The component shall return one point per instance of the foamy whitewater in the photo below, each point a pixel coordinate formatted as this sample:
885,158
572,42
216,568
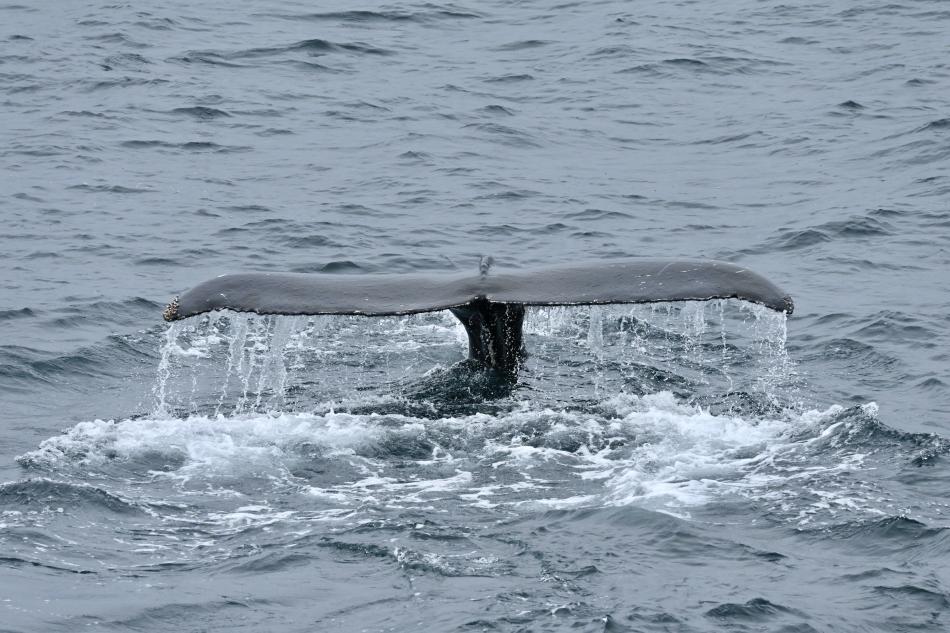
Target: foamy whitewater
277,446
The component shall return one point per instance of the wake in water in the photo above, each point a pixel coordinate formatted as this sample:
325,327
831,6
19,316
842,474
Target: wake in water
278,444
664,407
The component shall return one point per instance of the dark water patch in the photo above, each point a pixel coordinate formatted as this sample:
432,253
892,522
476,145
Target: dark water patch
189,146
432,13
275,132
183,616
504,134
919,152
794,39
246,208
155,23
621,50
598,215
356,16
855,227
313,47
157,261
202,113
791,239
923,598
883,536
122,82
46,494
689,204
125,60
917,81
270,562
932,383
312,66
412,156
320,46
22,313
354,552
647,70
92,362
509,78
728,138
755,610
87,113
521,45
13,561
887,213
20,38
497,110
892,327
209,58
310,241
117,38
43,255
850,105
108,189
27,197
877,9
340,266
685,62
939,124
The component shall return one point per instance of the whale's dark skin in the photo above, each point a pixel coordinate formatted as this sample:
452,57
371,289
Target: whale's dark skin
490,306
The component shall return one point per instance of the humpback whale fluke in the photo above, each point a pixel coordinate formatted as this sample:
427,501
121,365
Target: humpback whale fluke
490,305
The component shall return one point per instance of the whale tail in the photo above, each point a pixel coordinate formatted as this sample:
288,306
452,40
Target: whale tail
490,306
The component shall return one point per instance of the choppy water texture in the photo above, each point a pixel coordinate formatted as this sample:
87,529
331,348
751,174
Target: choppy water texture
697,467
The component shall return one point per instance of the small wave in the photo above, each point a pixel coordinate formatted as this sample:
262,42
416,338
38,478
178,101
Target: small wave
189,146
939,124
790,240
497,110
22,313
851,105
433,13
728,138
686,62
521,45
755,610
598,215
857,227
202,113
108,189
313,47
50,495
504,134
509,78
122,82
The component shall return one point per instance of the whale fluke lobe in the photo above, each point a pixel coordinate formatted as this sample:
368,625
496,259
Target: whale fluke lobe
489,304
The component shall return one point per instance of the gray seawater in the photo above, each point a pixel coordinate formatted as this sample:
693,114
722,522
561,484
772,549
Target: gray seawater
681,468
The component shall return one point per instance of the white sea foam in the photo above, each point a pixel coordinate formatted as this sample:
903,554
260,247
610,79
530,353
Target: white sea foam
651,451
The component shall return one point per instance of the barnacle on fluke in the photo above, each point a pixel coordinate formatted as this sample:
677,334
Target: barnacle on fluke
171,310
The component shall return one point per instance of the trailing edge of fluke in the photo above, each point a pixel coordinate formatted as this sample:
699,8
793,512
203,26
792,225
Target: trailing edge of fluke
490,305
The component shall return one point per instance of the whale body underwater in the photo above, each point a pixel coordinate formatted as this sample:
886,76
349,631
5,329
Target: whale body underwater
490,306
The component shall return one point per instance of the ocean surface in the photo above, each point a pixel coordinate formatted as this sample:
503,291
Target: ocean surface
673,467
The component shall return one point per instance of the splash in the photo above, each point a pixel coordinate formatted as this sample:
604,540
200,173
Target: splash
229,363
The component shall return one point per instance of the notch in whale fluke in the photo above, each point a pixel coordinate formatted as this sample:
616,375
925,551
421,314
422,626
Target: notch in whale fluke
489,304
